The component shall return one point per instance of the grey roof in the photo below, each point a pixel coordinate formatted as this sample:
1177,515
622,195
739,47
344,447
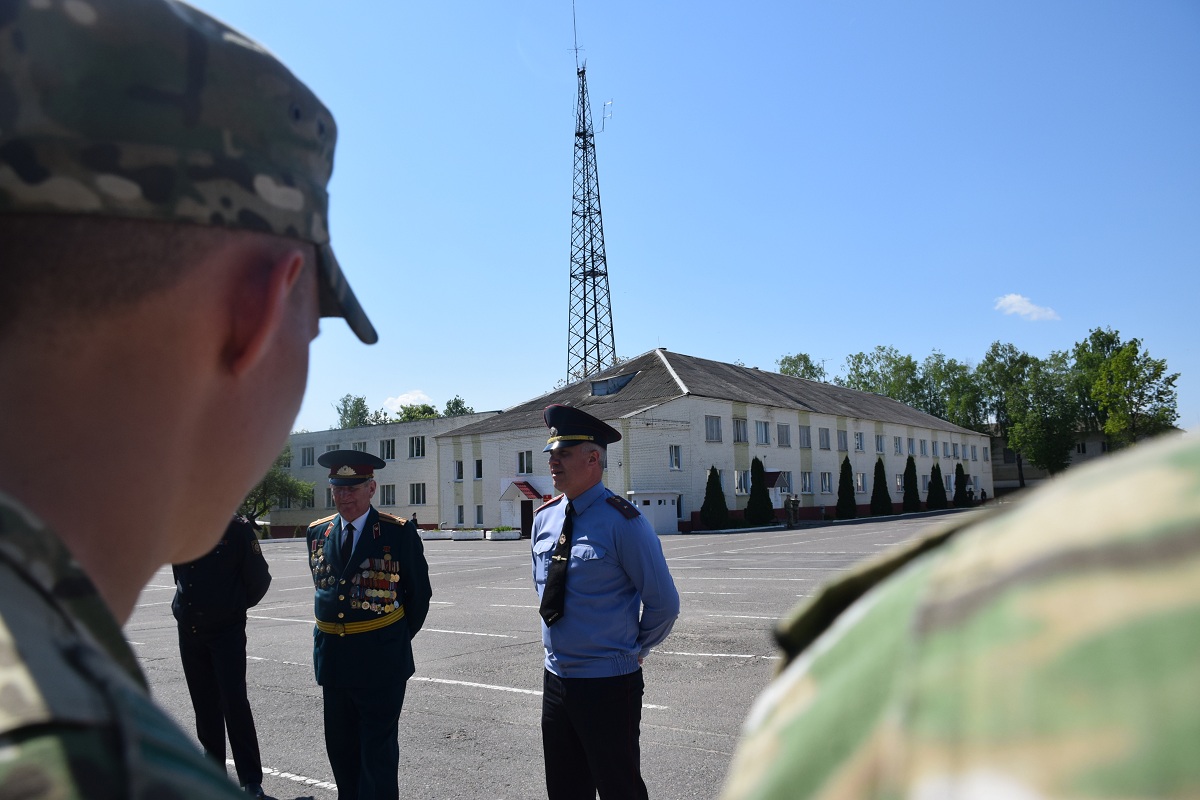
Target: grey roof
660,376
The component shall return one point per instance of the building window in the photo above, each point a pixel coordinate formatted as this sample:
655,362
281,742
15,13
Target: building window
935,448
1081,447
740,433
742,482
842,438
284,502
897,446
949,488
805,483
329,447
826,483
416,494
458,520
387,494
945,449
329,497
478,515
805,432
712,429
859,444
387,449
974,453
956,449
879,443
525,462
359,446
311,500
479,469
911,450
287,460
860,482
985,454
900,483
458,470
762,431
307,456
925,484
416,447
783,435
675,457
924,448
823,438
785,482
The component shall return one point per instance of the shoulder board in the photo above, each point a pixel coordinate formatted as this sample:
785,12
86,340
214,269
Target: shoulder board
628,510
322,520
383,515
549,503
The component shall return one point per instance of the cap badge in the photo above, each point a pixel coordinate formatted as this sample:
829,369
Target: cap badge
346,471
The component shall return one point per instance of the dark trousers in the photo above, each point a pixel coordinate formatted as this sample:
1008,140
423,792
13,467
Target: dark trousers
361,729
214,665
590,732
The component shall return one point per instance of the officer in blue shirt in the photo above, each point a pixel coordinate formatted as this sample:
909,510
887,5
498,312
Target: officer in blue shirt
372,596
607,597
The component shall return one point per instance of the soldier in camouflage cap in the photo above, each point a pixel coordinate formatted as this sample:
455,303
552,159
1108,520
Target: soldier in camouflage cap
165,257
1048,650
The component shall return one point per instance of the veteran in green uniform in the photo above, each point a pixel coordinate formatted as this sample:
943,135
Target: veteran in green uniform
165,260
1051,649
372,596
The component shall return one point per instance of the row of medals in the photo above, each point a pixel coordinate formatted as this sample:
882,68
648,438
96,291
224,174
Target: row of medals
372,589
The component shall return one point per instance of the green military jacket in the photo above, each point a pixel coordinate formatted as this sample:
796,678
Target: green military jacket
1051,649
76,719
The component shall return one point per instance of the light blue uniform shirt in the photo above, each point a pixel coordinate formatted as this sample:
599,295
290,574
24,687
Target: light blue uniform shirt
620,600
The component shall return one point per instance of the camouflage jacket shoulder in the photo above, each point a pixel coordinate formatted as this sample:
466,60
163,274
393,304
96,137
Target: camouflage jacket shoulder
1048,649
75,716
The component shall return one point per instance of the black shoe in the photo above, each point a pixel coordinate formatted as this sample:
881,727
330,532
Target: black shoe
254,790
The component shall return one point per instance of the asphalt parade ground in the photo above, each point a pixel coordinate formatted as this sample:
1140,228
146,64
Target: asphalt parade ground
471,721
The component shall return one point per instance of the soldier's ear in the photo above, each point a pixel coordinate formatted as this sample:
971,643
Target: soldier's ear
260,309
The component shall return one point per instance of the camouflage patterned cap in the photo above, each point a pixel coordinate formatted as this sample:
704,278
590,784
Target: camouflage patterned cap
150,109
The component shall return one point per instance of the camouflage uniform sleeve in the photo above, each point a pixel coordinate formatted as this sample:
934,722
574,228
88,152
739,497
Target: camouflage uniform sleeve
1048,651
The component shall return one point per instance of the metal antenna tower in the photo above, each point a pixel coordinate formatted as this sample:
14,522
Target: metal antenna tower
590,346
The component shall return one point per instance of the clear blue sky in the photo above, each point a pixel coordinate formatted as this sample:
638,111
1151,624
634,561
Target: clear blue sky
776,177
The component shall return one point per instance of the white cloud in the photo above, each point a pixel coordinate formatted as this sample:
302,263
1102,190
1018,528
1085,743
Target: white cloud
412,398
1020,304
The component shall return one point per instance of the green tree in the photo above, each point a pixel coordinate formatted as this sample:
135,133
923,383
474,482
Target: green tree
714,512
1090,355
936,499
801,365
881,498
847,506
1045,426
1135,394
1002,374
912,495
759,510
275,487
352,412
960,486
950,390
457,408
884,371
416,411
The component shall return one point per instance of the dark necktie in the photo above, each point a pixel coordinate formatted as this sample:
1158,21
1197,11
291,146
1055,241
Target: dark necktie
347,543
555,591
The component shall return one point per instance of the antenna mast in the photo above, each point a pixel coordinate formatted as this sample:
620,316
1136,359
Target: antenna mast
590,346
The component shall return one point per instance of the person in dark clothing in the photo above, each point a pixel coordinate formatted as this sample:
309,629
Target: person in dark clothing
212,594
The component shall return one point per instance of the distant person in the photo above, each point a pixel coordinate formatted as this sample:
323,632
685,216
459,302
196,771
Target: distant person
212,595
372,596
1050,649
606,598
982,496
165,260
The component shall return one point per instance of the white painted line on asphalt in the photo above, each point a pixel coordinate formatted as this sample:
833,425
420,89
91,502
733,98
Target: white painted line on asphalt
470,633
501,605
292,777
526,588
826,568
458,571
709,655
712,592
440,603
147,605
740,616
308,621
727,578
534,692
